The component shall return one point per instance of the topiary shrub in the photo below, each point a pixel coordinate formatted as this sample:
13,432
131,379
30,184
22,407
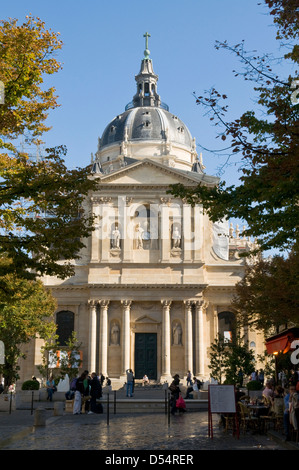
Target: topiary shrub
254,385
30,385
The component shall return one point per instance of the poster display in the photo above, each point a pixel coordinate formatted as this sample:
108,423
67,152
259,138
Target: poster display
222,400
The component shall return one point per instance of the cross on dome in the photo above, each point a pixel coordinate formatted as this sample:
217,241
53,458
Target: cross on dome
146,52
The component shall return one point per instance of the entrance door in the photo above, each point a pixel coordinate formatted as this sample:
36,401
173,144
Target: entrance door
146,355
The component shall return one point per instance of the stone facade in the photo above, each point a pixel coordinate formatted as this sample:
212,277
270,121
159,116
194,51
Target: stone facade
156,273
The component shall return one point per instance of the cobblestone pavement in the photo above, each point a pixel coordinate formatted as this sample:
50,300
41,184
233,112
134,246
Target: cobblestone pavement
150,431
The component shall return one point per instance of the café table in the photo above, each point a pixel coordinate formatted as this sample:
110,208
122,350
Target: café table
261,412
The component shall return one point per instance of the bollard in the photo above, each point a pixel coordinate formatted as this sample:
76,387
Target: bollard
10,403
165,401
58,408
108,409
168,410
40,417
32,402
114,401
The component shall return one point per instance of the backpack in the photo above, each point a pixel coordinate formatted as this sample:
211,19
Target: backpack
73,384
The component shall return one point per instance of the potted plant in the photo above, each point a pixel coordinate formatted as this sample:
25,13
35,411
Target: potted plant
254,388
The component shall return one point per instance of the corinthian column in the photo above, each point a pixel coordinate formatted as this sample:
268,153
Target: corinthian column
166,339
126,346
104,336
199,335
92,334
188,336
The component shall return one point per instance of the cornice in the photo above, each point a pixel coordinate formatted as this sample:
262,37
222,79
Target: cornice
129,286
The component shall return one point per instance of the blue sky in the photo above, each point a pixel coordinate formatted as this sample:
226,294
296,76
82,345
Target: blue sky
103,48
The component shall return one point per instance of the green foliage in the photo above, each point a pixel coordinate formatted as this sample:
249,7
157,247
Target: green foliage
26,311
228,358
30,385
67,358
267,195
268,294
42,219
254,385
70,364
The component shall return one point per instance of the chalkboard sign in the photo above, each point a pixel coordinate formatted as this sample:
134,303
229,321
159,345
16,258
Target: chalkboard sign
222,399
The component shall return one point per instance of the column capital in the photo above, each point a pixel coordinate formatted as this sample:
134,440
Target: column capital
104,303
166,303
188,303
92,303
126,303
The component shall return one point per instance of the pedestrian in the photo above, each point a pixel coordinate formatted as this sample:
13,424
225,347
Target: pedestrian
108,382
240,377
195,387
261,376
79,393
294,407
145,380
95,394
133,388
268,390
175,392
130,379
293,378
253,375
51,387
189,381
286,414
102,379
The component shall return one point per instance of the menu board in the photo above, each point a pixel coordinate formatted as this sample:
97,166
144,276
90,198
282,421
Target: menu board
222,399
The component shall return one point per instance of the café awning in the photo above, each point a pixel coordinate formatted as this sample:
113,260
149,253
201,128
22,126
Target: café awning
282,341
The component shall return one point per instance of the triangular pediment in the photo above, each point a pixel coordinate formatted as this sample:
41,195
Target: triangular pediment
149,172
145,319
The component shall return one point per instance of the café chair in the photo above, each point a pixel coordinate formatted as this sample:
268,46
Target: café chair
247,420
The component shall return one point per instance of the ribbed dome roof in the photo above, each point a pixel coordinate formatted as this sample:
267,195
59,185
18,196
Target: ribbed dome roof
146,123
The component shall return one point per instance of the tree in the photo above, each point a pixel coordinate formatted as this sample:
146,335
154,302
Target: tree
42,220
217,359
267,196
268,294
227,359
68,361
26,311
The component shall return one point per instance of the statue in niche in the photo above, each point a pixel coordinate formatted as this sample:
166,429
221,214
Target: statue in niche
114,334
139,236
115,238
176,238
177,334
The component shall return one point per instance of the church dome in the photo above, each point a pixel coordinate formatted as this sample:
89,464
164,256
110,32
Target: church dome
146,129
146,123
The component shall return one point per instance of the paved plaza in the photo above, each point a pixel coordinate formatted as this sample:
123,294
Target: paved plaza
134,432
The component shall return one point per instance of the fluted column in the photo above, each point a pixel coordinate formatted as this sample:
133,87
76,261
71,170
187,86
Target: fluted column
188,336
126,344
166,339
104,336
92,335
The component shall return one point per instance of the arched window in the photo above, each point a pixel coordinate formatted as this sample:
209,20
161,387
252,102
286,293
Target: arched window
226,325
65,321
